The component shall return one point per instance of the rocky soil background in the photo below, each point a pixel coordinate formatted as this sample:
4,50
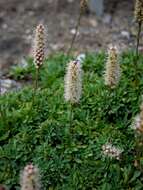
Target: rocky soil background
19,18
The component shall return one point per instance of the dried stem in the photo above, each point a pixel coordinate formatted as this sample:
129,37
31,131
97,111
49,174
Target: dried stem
137,52
138,38
74,36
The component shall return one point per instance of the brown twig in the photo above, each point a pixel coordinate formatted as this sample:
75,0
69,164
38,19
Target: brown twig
138,38
76,32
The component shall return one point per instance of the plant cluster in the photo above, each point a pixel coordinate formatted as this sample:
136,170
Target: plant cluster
75,131
71,157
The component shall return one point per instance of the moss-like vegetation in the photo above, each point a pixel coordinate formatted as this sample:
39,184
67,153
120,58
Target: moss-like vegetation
71,158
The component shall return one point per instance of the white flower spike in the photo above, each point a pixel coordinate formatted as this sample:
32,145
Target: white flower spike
30,179
73,82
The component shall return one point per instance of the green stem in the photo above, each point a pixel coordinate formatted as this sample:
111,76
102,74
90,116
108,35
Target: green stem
138,150
71,115
36,80
108,161
35,87
2,112
2,116
74,36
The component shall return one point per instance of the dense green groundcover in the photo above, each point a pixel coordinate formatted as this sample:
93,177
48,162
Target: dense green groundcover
72,158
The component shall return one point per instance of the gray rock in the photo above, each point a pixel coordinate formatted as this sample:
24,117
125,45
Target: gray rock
107,19
96,6
7,85
125,34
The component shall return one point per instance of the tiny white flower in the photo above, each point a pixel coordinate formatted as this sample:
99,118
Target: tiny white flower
111,151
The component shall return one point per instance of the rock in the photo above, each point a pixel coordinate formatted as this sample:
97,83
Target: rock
96,6
107,19
4,26
8,84
70,1
125,34
73,31
93,22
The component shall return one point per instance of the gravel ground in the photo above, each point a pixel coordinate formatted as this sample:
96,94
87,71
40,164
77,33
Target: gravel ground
18,19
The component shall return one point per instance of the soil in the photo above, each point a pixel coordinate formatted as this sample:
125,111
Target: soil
18,19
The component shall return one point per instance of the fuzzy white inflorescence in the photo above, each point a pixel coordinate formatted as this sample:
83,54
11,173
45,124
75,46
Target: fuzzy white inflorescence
73,82
138,13
138,121
111,151
39,46
112,68
30,179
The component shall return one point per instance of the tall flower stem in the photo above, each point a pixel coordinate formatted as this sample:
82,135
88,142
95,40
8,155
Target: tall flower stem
35,88
71,115
137,52
83,8
138,15
39,56
75,34
35,85
36,80
73,87
138,38
2,112
138,151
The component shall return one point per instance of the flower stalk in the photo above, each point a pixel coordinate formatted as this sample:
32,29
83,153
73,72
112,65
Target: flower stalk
39,56
137,126
138,14
39,50
138,38
83,7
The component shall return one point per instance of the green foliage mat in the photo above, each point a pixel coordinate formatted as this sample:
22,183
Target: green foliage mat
72,158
